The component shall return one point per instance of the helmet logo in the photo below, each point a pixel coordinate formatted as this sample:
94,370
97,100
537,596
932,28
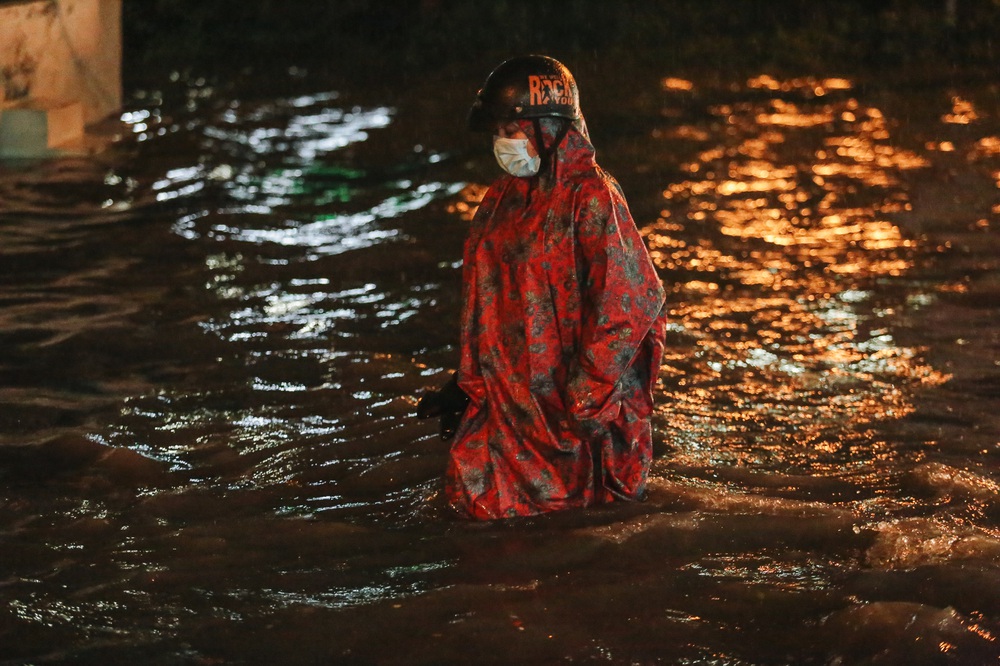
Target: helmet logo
547,89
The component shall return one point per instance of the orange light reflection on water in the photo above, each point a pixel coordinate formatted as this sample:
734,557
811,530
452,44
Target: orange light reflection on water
467,204
779,356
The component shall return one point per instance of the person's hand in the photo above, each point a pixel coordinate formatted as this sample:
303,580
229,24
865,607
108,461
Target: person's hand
429,405
448,404
449,424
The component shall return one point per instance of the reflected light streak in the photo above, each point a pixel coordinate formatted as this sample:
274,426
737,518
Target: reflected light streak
818,87
308,135
335,234
962,112
674,83
987,147
758,570
788,115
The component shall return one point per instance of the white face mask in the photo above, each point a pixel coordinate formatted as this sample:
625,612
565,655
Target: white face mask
513,157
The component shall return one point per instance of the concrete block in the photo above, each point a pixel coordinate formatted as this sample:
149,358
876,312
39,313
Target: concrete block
35,128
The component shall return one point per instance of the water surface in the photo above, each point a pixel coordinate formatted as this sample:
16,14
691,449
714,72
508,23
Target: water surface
213,335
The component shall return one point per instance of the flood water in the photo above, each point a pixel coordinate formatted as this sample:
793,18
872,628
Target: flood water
213,336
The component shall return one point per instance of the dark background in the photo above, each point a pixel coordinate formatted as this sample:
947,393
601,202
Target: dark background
400,39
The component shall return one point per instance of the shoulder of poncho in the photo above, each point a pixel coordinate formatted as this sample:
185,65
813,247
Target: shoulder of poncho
496,187
595,187
492,196
595,176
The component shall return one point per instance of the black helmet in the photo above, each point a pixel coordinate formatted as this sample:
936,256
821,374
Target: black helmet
531,86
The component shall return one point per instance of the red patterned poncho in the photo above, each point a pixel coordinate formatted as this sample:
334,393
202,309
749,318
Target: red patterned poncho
562,335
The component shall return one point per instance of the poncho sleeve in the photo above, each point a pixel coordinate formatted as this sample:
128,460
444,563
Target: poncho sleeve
622,300
470,377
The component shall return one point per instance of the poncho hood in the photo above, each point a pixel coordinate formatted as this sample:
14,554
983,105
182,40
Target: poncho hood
574,153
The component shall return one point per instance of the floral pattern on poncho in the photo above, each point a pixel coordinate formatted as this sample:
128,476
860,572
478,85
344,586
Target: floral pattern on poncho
561,340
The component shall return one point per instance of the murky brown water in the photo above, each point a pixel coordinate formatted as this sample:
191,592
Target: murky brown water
212,335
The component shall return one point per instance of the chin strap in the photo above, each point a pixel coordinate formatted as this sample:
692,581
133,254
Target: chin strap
547,152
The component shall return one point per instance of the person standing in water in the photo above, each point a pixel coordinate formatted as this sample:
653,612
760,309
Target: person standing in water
563,321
